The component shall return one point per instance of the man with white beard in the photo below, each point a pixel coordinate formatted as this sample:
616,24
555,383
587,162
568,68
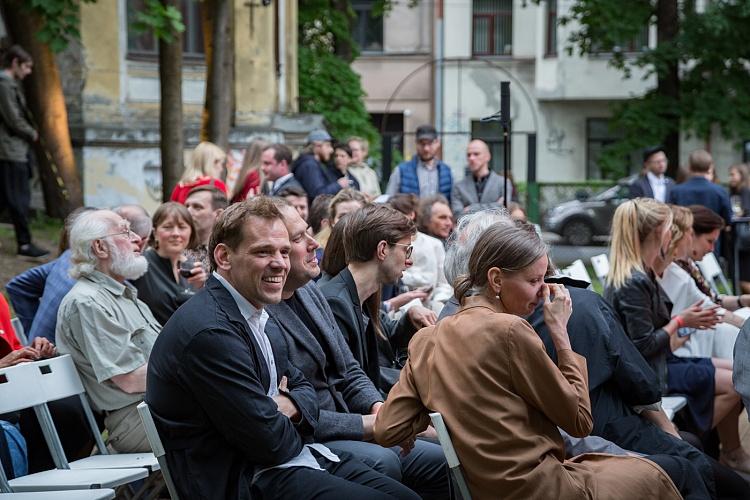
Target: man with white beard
101,323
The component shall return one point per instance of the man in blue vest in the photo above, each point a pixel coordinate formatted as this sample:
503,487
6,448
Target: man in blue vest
424,174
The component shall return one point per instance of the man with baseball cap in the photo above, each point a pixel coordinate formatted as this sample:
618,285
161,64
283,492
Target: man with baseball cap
313,169
424,174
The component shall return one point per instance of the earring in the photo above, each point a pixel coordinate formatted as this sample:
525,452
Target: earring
497,295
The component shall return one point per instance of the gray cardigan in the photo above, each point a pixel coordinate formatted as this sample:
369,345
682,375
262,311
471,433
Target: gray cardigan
347,393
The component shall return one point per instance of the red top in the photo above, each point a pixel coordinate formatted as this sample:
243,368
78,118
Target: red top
8,340
251,186
181,190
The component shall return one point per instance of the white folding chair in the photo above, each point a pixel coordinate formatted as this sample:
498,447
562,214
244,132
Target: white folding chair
450,455
711,270
156,446
672,404
59,379
600,263
577,271
20,389
20,332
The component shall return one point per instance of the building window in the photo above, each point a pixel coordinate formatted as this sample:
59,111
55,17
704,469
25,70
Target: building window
551,28
599,135
638,43
492,27
144,46
368,26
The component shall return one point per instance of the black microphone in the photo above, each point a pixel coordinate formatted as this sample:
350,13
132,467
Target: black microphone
505,103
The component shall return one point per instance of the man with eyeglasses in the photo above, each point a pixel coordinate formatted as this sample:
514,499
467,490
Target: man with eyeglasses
303,326
101,323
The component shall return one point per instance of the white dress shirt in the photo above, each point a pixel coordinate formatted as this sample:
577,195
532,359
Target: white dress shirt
256,320
658,186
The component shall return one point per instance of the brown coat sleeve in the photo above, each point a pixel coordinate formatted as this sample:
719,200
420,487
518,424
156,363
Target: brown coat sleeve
403,415
560,392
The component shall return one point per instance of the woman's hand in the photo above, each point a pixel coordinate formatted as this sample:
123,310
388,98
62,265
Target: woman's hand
557,311
199,277
696,316
421,317
676,341
22,355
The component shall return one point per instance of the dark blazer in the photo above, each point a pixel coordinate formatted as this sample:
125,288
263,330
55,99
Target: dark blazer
700,191
619,378
206,386
643,309
317,178
641,188
464,195
268,190
371,351
345,393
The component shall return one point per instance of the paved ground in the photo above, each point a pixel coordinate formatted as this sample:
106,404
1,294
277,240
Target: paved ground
11,265
563,255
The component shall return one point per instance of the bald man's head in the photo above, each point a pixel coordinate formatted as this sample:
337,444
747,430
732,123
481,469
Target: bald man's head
478,156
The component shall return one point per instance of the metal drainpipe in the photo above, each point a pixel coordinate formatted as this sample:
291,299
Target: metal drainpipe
439,42
281,34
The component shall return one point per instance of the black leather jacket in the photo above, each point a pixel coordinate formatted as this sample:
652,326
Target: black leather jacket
643,309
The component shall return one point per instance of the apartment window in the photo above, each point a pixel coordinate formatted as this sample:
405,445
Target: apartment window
368,26
492,27
638,43
551,28
144,46
599,135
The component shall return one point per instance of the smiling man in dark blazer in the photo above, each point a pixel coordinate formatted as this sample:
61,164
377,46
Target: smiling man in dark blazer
303,326
236,418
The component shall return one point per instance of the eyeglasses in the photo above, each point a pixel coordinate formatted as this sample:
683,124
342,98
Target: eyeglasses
123,232
409,248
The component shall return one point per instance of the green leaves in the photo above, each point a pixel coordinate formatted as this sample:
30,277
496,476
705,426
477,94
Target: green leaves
327,83
164,21
711,51
60,19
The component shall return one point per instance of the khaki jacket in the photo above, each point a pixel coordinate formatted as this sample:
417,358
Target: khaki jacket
16,132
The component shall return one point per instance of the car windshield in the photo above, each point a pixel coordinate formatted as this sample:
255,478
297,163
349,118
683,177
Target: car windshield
610,193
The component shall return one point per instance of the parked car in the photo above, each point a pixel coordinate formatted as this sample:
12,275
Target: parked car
582,220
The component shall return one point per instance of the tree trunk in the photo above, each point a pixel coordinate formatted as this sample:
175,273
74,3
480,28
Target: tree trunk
343,45
668,80
218,42
61,184
170,112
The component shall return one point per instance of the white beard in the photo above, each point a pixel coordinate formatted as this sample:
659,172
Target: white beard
127,264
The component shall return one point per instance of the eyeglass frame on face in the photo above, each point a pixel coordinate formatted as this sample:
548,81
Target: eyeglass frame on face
126,231
409,248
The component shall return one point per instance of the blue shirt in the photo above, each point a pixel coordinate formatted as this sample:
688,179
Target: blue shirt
36,295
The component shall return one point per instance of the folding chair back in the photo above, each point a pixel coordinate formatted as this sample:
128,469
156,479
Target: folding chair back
711,270
600,263
19,388
450,455
577,270
59,379
20,332
156,446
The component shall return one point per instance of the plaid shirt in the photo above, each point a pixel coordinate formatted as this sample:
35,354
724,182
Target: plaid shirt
37,293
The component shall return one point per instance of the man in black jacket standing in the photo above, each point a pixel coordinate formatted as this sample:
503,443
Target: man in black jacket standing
16,132
236,419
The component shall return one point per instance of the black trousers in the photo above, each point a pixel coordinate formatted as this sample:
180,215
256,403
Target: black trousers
348,479
15,195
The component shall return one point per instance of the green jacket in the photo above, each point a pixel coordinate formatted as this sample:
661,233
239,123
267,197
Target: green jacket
15,130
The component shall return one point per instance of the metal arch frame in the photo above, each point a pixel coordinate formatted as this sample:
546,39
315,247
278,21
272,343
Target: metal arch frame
487,62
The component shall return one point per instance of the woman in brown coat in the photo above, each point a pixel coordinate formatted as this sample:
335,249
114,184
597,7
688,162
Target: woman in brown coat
501,396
